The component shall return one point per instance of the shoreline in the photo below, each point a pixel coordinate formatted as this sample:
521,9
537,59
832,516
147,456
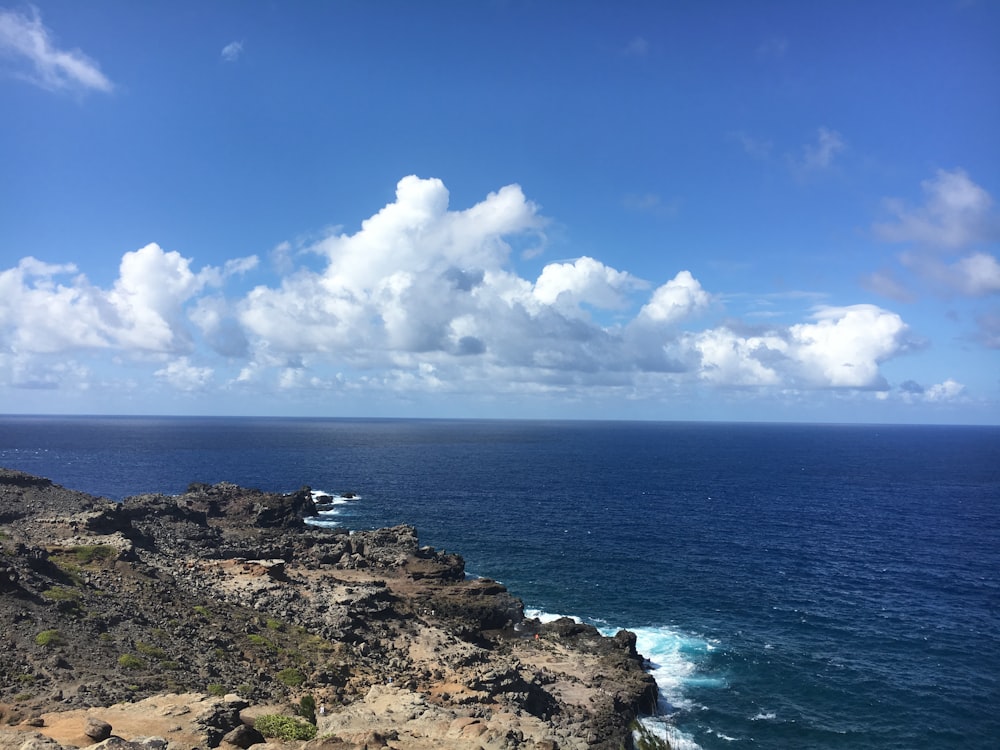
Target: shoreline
225,589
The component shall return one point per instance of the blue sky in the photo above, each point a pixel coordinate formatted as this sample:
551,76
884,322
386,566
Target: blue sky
650,210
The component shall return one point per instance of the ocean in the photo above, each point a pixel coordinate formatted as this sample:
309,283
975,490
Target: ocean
794,586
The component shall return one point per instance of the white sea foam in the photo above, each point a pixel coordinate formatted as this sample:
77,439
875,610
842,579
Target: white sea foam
329,505
764,716
669,657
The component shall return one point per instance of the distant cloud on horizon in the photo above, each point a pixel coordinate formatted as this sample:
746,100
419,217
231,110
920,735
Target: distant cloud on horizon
26,39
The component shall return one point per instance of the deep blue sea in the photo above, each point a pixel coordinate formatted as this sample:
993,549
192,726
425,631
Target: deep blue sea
795,586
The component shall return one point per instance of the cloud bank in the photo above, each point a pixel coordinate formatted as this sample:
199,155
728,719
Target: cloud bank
423,298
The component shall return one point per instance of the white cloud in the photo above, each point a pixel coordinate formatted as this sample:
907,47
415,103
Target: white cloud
26,39
676,300
845,345
426,298
978,274
956,213
949,390
232,51
184,376
566,285
841,349
819,156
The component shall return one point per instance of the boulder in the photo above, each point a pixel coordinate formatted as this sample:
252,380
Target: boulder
97,729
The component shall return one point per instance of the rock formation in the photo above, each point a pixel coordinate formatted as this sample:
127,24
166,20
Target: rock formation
177,619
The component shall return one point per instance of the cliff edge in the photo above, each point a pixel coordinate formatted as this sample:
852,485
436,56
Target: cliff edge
186,617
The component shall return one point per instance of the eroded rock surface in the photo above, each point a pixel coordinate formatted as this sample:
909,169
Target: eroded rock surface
137,613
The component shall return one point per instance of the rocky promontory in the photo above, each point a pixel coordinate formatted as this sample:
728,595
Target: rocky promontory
173,622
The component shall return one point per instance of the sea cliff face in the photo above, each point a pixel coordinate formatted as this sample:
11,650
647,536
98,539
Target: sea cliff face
184,616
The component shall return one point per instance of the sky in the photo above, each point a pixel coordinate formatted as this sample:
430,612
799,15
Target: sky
767,211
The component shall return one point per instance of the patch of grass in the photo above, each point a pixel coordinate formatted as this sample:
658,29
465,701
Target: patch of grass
105,637
61,594
262,642
202,610
89,553
130,661
154,652
217,690
28,696
159,634
219,653
49,638
26,679
284,727
170,665
291,677
275,625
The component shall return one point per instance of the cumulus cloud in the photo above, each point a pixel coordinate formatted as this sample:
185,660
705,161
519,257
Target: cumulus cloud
424,297
232,51
842,348
949,390
676,300
30,44
184,376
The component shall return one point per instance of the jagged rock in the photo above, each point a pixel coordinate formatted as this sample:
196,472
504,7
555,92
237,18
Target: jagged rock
243,737
97,729
224,588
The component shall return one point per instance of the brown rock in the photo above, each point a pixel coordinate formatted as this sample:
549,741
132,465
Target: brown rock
97,729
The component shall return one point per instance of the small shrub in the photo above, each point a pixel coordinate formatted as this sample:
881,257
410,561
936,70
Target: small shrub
49,638
170,665
88,553
130,661
244,690
105,637
61,594
202,610
219,653
26,679
217,690
262,642
154,652
291,677
275,625
645,739
307,708
284,727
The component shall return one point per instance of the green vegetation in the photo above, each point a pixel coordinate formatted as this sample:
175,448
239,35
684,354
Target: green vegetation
307,708
61,594
49,638
170,665
202,610
275,625
154,652
130,661
217,690
88,553
291,677
262,642
284,727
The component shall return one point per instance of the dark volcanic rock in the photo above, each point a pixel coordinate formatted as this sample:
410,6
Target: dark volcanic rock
224,589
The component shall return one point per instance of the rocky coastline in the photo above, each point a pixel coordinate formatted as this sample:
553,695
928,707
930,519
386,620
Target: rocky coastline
175,622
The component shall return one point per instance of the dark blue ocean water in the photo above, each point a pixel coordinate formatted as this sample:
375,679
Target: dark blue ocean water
796,586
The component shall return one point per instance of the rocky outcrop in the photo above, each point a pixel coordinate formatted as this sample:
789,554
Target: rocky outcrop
225,590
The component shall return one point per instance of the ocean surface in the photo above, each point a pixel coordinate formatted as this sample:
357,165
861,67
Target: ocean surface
794,586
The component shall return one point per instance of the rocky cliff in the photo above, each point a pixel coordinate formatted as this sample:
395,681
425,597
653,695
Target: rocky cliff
182,616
